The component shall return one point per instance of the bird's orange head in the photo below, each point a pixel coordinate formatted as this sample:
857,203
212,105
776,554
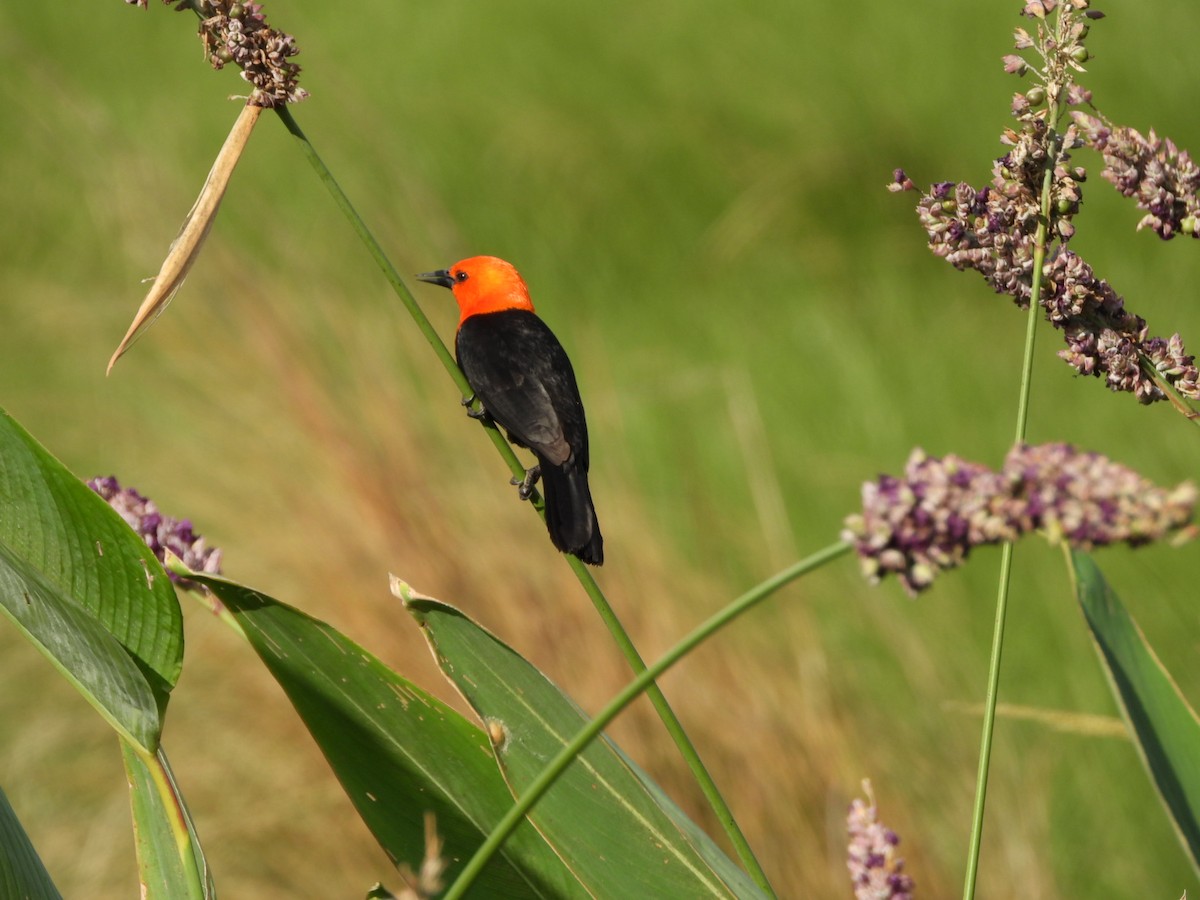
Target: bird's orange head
482,284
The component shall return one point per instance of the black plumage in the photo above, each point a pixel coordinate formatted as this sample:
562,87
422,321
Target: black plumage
522,376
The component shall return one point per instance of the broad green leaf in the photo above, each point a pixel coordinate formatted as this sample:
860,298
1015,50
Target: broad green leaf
21,871
63,547
64,530
1166,729
82,649
397,750
619,834
171,863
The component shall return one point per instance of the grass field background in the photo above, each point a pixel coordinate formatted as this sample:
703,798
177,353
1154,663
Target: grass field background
695,193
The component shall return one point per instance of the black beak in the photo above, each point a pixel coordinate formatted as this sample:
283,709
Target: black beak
441,276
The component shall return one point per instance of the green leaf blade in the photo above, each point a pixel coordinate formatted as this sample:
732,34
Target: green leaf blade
171,863
62,529
397,750
86,590
618,832
83,650
22,873
1165,728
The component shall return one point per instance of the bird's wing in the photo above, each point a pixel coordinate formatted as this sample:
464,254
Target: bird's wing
521,374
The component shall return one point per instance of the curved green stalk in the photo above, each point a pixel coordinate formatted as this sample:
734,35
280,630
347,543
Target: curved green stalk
670,720
993,684
640,684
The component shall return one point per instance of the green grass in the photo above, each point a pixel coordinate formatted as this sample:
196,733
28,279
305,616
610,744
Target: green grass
694,192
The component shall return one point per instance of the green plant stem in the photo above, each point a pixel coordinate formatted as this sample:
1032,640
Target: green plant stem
674,727
640,684
376,251
1176,399
1006,553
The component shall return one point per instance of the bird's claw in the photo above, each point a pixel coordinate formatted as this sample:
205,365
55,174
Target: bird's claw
480,413
525,485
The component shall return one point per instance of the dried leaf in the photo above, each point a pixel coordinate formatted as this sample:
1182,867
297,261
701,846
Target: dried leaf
186,246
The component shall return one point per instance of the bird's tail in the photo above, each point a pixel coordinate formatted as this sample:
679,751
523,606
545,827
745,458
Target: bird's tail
570,515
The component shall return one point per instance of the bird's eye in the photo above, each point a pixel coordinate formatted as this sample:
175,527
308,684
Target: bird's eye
461,276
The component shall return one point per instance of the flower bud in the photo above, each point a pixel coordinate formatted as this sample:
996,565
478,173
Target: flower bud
1015,65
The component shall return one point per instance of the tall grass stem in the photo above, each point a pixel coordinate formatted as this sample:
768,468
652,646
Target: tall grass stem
1006,553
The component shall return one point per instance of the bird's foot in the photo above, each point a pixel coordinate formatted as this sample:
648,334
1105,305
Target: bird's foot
480,413
525,485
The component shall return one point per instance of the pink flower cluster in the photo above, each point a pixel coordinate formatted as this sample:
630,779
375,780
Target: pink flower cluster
161,533
876,871
930,519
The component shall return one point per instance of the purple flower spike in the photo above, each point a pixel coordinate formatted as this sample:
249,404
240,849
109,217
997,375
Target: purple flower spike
1091,501
876,871
929,520
161,533
1162,178
238,32
994,230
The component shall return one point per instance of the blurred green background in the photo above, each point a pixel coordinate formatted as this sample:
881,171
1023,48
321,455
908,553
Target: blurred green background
695,193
